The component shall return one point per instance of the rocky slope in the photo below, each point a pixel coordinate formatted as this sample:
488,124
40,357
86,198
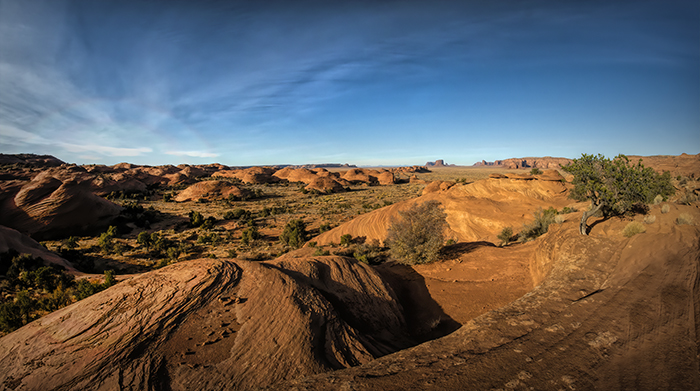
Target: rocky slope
210,325
608,312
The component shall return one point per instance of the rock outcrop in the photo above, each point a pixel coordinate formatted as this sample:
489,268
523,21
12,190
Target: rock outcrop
210,324
210,190
54,204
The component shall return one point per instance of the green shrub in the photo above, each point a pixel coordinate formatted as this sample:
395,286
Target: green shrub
320,252
294,234
144,239
71,243
658,199
568,210
535,171
450,242
369,253
633,228
543,218
346,240
106,240
196,219
665,208
417,235
250,235
505,235
324,227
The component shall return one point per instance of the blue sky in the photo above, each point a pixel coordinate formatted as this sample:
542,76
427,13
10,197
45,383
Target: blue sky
361,82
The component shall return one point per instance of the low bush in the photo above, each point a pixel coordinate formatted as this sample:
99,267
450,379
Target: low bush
294,234
684,218
633,228
505,235
250,235
665,208
535,171
650,219
346,240
543,218
418,234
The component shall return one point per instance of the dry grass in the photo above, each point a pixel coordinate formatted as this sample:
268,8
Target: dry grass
650,219
633,228
684,218
665,208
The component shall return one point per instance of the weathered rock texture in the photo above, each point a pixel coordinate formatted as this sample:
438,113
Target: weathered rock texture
55,203
608,313
475,212
213,325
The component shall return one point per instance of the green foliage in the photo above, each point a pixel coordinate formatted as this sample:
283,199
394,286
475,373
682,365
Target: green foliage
543,218
71,243
567,210
615,186
346,240
320,252
250,235
39,288
505,235
106,240
417,235
633,228
144,239
450,242
369,253
324,228
196,219
535,171
212,238
294,234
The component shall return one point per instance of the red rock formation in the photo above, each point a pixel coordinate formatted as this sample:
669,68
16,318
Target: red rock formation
211,190
211,324
56,203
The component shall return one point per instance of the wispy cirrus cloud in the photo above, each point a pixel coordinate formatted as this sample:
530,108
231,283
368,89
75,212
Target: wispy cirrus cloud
201,154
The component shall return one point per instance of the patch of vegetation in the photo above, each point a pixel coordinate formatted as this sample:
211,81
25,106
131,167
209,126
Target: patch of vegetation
106,240
614,186
665,208
417,235
198,220
567,210
32,289
633,228
370,253
250,235
294,234
684,218
346,240
506,235
540,226
650,219
321,252
535,171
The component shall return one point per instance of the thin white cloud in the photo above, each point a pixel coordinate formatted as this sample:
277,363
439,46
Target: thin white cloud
192,154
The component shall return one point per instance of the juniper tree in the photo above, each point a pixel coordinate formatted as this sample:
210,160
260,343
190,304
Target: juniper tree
614,186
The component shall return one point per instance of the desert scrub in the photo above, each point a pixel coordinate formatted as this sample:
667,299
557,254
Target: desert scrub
417,235
658,199
559,219
665,208
543,218
684,218
650,219
505,235
633,228
294,234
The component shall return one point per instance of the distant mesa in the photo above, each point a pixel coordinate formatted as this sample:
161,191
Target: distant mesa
527,162
439,163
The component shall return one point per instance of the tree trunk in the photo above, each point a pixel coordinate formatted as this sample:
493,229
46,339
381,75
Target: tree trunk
587,214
